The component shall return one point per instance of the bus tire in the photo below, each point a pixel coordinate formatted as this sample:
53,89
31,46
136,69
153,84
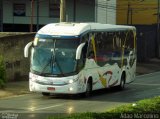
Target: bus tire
45,94
122,82
88,92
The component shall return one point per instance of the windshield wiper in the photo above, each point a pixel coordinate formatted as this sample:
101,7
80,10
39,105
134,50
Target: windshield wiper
48,62
59,66
52,61
55,60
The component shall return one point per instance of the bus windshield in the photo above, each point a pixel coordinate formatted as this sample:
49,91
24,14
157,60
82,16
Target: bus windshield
54,57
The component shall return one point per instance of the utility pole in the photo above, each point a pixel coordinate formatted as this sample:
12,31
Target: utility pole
62,10
128,12
74,10
1,15
158,29
32,15
37,27
131,10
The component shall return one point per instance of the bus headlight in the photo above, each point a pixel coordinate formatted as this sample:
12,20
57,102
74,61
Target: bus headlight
72,80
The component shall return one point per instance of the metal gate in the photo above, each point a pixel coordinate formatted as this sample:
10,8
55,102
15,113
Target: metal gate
146,42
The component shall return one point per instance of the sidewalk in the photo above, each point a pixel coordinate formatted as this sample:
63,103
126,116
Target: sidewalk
148,67
14,88
21,87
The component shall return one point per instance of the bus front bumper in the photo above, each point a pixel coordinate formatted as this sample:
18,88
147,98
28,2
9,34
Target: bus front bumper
64,89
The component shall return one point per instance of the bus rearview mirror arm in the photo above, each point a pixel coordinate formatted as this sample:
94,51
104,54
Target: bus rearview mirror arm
79,51
27,48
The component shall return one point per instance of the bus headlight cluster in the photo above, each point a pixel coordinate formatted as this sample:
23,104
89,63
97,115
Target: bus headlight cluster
72,80
33,77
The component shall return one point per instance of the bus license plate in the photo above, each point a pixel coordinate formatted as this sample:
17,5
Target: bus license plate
51,88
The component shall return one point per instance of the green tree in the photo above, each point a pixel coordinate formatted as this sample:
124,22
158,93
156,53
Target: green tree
2,72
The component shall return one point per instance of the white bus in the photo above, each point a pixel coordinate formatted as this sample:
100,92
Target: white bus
73,58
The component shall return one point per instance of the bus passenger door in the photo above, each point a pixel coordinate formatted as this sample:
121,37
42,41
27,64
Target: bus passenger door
131,66
130,54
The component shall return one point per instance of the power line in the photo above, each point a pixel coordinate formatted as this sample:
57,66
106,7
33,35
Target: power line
116,7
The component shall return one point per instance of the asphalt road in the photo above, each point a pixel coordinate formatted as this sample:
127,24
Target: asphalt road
144,86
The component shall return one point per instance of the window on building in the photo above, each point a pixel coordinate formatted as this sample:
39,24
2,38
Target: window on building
19,9
54,8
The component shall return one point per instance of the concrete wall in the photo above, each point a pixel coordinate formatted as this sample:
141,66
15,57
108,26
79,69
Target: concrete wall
12,48
137,12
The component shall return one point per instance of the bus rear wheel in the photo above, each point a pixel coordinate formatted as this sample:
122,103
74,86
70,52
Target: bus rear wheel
122,83
45,94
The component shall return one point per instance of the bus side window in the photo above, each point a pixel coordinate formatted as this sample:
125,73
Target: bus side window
84,50
101,42
82,60
90,52
85,38
130,40
129,44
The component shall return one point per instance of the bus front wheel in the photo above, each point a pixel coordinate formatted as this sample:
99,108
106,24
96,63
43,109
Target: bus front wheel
45,94
88,92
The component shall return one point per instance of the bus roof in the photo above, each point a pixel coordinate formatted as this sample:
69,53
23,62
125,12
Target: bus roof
75,29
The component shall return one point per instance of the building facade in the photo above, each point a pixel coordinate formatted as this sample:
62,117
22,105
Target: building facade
144,14
137,12
17,15
105,11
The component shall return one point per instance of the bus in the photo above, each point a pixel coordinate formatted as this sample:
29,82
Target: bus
75,58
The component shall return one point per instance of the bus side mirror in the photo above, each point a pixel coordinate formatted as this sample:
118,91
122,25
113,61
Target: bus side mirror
79,51
27,48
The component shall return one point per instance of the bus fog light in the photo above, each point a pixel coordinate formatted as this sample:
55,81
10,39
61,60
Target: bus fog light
70,89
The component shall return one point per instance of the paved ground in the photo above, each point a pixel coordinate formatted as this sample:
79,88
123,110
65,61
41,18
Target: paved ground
34,105
148,67
21,87
14,88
